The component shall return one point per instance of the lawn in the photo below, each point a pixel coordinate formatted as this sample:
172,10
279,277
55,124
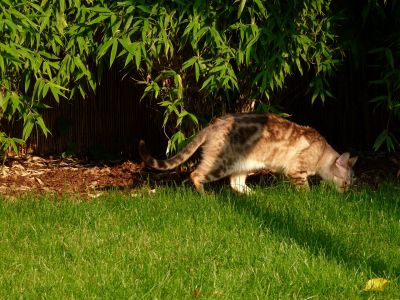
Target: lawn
176,244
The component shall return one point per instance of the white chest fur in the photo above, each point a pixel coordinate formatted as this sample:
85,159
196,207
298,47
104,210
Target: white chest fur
248,165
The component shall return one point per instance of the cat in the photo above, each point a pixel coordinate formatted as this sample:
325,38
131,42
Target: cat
238,144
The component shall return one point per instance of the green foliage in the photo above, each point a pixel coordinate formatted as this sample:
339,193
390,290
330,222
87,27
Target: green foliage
59,49
44,51
389,81
193,58
374,45
388,58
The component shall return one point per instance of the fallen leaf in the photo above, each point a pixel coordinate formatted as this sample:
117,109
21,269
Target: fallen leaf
5,171
376,285
39,181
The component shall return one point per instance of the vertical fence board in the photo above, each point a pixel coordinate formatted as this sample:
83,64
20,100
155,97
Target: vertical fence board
109,122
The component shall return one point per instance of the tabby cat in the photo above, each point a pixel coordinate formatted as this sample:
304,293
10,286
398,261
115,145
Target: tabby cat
237,144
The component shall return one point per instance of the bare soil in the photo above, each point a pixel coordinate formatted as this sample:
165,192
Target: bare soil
87,178
71,175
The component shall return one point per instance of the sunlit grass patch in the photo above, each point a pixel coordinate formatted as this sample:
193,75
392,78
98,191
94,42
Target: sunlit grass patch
175,243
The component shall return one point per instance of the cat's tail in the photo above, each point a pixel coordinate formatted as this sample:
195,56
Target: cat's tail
174,161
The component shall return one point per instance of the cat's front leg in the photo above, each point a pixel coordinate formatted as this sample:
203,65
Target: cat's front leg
299,179
238,183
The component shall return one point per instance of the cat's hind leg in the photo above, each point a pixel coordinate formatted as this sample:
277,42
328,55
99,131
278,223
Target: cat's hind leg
201,176
238,183
207,171
198,180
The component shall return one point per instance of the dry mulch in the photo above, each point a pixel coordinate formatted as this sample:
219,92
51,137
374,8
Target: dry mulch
86,178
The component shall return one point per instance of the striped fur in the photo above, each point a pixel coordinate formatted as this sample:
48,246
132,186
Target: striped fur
175,161
235,145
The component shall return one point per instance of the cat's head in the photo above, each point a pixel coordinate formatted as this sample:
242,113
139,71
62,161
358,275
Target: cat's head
343,174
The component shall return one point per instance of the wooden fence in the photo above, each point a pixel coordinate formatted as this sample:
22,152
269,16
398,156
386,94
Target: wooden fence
114,119
109,122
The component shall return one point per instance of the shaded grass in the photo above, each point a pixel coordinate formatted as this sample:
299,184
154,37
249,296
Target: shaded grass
176,244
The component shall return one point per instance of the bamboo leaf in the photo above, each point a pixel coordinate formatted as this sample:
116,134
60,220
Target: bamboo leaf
115,27
128,59
99,19
27,129
100,9
138,56
241,7
113,51
45,20
380,140
261,7
2,66
13,145
197,71
45,89
128,22
144,8
62,5
42,125
56,91
127,45
208,82
81,65
130,9
389,57
4,101
103,48
298,64
189,62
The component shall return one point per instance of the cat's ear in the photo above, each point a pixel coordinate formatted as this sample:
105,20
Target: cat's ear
353,160
343,160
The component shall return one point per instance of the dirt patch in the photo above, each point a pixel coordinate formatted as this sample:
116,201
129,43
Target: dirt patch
374,168
86,178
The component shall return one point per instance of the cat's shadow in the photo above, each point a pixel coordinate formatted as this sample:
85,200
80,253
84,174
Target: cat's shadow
313,239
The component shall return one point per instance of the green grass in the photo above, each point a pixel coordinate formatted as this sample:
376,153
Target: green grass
176,244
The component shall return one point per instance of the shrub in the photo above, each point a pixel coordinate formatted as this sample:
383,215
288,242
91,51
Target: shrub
194,58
